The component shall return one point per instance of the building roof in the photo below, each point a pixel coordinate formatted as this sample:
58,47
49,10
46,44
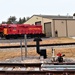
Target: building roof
55,16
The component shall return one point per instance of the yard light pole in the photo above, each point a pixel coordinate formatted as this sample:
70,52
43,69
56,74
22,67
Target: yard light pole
53,50
25,41
21,50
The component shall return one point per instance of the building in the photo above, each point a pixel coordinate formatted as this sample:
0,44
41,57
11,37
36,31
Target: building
55,26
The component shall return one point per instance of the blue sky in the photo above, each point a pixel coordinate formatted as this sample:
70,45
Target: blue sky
27,8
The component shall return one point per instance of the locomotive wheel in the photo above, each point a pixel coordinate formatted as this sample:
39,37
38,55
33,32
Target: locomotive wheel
15,36
7,37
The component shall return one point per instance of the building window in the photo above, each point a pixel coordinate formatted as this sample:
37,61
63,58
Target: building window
38,23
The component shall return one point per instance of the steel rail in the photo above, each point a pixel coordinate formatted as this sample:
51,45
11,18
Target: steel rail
35,64
33,72
37,73
58,44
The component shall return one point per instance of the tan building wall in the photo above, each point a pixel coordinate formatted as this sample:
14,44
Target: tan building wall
33,19
45,20
71,28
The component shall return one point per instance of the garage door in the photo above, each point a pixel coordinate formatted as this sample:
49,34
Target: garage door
60,28
47,29
71,28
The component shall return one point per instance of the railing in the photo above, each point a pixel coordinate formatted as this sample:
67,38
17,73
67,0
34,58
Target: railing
37,69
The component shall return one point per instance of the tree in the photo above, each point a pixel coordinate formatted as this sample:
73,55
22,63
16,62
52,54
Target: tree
23,20
3,22
27,18
11,20
20,21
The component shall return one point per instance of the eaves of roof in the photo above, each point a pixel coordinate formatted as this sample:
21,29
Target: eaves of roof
55,16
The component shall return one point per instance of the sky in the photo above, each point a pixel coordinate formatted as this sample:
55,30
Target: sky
27,8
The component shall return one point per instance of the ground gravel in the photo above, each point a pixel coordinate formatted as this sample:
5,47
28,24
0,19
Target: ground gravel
33,60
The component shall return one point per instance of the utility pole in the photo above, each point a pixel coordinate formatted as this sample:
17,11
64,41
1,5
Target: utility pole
21,50
25,41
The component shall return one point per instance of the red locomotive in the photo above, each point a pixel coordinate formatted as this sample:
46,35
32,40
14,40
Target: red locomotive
19,30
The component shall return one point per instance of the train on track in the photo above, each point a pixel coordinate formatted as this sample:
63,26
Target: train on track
19,30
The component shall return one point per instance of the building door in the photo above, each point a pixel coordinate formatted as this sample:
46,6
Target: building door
47,29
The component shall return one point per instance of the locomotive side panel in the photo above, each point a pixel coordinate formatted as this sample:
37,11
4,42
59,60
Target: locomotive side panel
19,30
35,30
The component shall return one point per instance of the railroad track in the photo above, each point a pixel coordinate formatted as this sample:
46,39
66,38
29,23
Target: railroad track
37,69
43,45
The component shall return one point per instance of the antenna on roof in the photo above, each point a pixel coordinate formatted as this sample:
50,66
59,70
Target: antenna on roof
58,14
74,16
67,15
